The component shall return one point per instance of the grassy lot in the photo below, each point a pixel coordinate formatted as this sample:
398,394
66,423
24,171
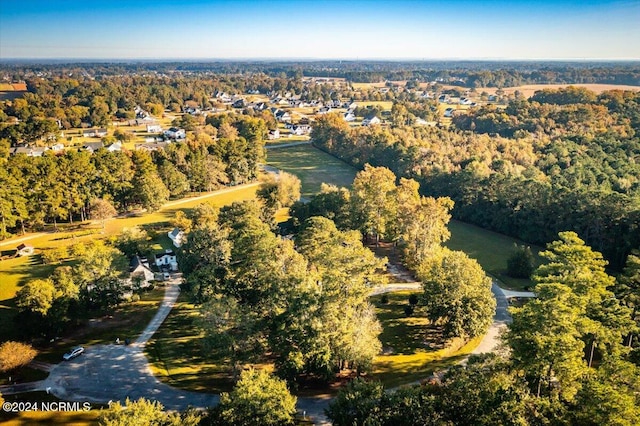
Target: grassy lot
386,105
490,249
73,418
412,348
15,272
312,166
177,357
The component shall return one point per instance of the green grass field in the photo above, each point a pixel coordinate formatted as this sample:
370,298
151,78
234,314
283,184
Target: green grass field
490,249
412,348
312,166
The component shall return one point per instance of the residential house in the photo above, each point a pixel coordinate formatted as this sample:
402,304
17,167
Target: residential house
139,270
273,134
370,121
176,236
175,133
115,147
154,128
260,106
444,99
422,122
29,151
24,250
57,147
283,116
465,101
167,260
449,112
239,103
349,116
99,133
92,146
300,129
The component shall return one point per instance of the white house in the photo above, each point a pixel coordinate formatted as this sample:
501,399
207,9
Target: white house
349,116
139,269
176,236
24,250
114,147
154,128
175,133
369,121
274,134
94,133
449,112
283,116
167,259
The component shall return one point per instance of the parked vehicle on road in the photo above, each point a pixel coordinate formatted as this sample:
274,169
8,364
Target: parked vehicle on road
75,352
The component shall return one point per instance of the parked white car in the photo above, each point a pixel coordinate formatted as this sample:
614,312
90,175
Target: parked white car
75,352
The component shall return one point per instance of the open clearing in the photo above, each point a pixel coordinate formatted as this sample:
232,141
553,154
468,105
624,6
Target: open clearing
528,90
312,166
490,249
412,349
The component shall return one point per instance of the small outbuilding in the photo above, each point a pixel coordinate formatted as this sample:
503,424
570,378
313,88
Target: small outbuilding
24,250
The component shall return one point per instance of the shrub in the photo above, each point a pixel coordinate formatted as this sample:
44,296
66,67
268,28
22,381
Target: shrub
413,299
521,262
408,310
384,299
15,354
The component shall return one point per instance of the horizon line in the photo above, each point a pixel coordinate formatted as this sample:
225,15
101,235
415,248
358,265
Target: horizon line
315,59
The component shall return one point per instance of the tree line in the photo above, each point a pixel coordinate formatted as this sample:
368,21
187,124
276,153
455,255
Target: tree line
63,186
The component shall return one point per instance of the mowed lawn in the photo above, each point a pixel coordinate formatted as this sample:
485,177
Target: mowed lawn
412,348
177,355
490,249
312,166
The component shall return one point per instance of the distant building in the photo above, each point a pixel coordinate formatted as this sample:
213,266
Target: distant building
274,134
24,250
175,133
94,133
176,236
370,121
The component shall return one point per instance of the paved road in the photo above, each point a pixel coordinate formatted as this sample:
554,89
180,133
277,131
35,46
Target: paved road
116,372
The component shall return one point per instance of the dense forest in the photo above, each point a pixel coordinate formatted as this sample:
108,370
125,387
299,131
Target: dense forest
563,160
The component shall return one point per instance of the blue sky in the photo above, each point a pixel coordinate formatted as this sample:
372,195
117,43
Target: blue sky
347,29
